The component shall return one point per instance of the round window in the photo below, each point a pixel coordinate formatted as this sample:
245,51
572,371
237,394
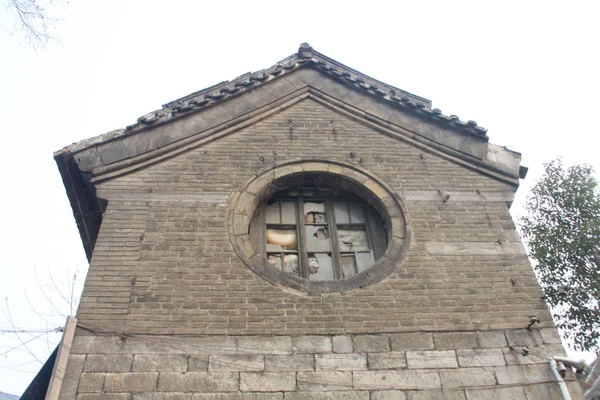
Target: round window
318,227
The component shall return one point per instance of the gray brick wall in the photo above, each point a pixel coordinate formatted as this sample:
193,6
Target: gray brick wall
201,325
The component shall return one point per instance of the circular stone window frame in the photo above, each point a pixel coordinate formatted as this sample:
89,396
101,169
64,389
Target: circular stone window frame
386,202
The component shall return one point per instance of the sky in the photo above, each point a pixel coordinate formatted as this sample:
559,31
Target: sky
526,70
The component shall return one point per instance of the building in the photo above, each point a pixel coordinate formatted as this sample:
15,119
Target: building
303,232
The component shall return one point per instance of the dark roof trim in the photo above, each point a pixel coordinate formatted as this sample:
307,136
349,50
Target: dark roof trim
305,57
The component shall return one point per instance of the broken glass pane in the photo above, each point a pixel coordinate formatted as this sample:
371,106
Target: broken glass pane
357,214
272,213
320,267
317,238
281,239
288,212
364,260
352,238
314,213
340,210
348,265
275,260
290,264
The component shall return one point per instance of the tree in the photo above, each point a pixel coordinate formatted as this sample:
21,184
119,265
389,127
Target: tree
33,21
562,231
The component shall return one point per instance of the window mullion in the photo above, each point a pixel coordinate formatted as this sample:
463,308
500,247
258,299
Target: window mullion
300,234
335,248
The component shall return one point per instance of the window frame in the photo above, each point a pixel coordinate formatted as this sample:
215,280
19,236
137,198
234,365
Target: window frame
331,225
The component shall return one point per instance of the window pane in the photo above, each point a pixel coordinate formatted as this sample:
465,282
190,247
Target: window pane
341,212
357,214
272,213
320,267
317,238
314,213
348,265
288,212
275,260
281,239
290,264
352,238
364,260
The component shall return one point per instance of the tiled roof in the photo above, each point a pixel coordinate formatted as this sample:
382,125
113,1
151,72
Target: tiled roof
305,56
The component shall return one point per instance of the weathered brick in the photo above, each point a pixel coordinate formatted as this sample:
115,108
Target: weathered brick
403,379
108,363
455,340
340,362
160,363
412,341
295,362
388,395
267,381
480,357
431,359
265,345
131,382
518,374
198,382
342,344
463,377
371,343
507,393
324,381
390,360
311,344
91,382
448,394
238,362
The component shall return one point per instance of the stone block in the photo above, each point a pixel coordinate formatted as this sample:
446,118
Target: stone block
237,396
403,379
160,363
340,362
96,345
480,357
340,395
491,339
68,390
198,363
162,396
518,374
112,151
450,394
264,345
91,382
550,336
295,362
104,396
388,395
108,363
267,381
536,355
524,337
202,345
131,382
431,359
199,382
467,377
236,362
371,343
544,391
215,116
455,340
508,393
311,344
324,381
342,344
412,341
390,360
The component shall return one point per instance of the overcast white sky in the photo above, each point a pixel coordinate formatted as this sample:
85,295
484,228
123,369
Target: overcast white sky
526,70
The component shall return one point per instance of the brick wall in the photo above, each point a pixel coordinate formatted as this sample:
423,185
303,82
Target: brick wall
439,327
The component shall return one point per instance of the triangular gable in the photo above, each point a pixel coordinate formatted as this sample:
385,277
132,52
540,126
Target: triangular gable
230,105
